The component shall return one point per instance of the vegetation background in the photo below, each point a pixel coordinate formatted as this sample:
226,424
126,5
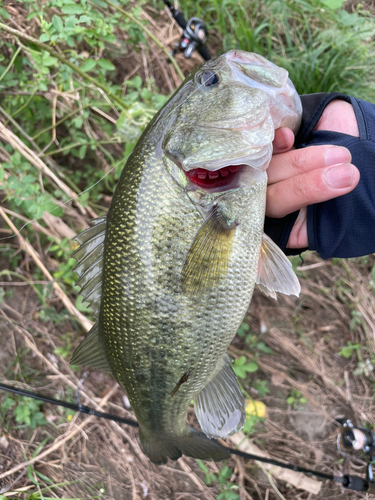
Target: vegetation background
79,80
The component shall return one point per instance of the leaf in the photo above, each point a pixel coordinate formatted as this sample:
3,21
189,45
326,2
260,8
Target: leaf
333,4
251,367
73,9
57,23
85,19
49,61
31,16
135,82
4,13
82,152
78,122
43,87
240,361
202,466
109,38
231,495
44,37
88,65
226,472
105,64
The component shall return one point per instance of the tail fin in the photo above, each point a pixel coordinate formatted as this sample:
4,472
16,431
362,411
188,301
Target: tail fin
192,443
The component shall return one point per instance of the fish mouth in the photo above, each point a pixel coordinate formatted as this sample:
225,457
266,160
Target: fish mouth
208,179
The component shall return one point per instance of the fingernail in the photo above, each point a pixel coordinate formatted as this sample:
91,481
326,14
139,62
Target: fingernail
337,155
339,177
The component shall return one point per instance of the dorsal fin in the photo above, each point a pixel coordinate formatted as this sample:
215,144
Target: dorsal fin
90,261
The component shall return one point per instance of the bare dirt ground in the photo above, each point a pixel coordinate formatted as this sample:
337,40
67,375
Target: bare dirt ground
87,457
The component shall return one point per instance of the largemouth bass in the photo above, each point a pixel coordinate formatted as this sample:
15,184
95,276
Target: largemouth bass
171,270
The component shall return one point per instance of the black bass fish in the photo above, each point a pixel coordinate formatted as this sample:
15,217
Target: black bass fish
171,270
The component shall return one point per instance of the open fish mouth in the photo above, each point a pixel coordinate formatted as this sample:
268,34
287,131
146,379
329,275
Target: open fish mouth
208,179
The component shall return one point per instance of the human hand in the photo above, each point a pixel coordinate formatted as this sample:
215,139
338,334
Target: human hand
301,177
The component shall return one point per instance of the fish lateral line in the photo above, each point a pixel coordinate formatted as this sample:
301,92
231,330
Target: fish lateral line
182,380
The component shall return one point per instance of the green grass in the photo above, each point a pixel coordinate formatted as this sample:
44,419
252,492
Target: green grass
324,50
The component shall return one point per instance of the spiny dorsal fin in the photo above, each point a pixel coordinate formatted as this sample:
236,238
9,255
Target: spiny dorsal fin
275,272
220,406
207,259
90,261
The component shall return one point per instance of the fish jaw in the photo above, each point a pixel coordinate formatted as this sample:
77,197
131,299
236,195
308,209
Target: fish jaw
232,124
219,180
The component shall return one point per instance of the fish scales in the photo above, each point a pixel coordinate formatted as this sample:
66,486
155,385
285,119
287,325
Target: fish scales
182,254
157,327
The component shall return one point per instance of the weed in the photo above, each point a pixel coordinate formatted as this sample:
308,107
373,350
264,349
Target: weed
365,359
26,411
261,386
241,367
228,490
295,399
255,345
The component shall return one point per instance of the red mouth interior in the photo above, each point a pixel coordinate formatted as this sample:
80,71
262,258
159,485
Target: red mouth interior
207,179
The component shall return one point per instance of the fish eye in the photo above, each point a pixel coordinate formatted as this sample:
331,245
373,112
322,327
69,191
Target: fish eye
209,78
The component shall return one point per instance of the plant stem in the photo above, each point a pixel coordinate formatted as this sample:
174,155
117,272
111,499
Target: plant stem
24,105
10,64
88,143
61,121
58,56
6,272
150,35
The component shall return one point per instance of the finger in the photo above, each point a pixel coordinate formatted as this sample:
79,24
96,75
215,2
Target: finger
339,116
298,235
319,185
298,161
283,141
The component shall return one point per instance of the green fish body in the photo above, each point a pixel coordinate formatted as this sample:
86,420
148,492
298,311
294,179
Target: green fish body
171,270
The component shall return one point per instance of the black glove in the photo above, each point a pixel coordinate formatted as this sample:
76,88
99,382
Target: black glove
344,226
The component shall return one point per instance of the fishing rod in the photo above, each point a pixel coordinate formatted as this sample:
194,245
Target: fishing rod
194,35
351,438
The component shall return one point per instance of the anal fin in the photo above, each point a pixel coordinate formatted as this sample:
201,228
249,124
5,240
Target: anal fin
220,406
275,272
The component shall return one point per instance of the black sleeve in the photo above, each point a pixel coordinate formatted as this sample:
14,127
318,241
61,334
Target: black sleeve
344,226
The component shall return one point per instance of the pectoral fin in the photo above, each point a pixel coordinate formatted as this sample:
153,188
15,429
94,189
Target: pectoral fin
275,272
208,257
